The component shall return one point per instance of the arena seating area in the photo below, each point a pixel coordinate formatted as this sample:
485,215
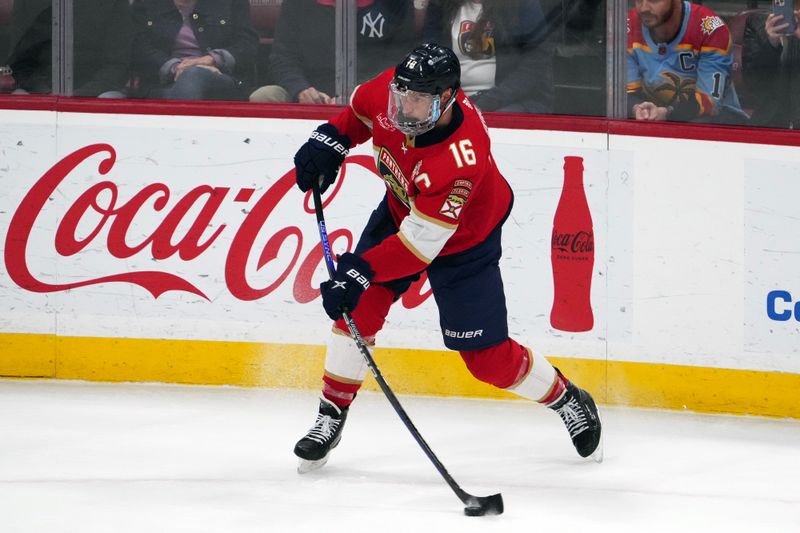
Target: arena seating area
579,70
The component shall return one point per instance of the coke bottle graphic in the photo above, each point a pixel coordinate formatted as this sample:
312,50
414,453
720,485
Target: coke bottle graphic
572,253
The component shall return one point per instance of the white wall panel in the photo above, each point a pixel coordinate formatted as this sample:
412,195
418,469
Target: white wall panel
688,245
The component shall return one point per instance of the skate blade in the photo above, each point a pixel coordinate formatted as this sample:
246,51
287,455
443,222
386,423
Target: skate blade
305,466
597,455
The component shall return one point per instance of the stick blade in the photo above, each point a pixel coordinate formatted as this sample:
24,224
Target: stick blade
484,505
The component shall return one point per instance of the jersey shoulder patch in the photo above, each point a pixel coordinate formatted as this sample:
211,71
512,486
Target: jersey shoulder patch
706,29
456,198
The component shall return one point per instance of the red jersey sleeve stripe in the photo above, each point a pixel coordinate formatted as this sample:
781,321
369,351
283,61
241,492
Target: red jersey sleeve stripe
413,249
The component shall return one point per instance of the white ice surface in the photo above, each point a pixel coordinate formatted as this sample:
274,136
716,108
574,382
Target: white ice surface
110,458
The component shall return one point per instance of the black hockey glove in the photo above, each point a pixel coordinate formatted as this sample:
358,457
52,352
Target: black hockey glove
351,279
320,157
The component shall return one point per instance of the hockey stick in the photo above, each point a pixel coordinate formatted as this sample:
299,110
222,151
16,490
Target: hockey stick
475,505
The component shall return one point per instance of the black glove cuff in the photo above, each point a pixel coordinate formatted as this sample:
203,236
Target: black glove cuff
349,262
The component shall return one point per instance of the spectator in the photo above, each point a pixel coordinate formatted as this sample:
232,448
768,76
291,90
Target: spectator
679,64
503,49
768,51
303,56
194,49
101,47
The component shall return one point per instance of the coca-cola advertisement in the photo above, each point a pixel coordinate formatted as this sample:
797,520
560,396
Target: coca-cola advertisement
572,253
192,227
197,235
772,260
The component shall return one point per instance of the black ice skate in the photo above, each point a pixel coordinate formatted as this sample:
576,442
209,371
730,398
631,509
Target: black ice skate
314,449
579,413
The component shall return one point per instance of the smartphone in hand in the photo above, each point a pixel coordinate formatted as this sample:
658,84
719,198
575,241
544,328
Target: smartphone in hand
785,8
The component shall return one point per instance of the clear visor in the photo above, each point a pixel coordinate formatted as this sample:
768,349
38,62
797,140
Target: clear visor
412,112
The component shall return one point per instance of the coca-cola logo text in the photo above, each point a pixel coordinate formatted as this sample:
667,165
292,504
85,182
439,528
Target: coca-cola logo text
581,242
102,200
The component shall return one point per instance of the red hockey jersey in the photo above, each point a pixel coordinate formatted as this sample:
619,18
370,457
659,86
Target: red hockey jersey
445,192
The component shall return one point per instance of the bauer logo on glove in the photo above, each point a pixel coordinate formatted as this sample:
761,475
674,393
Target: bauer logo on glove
341,293
320,157
329,141
360,279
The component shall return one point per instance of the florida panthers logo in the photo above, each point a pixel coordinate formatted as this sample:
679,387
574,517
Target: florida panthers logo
709,24
393,176
466,43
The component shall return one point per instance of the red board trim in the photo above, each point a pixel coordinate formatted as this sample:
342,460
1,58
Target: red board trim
672,130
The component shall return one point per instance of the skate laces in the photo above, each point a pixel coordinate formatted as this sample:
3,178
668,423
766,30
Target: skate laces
574,417
324,428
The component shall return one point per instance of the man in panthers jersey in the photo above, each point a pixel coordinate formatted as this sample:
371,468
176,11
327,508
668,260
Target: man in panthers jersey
443,211
680,56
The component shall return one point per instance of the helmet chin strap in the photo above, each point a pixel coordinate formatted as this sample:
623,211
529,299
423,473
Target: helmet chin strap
447,106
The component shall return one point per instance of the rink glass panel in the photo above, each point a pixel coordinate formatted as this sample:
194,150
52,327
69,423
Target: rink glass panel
576,43
25,46
762,78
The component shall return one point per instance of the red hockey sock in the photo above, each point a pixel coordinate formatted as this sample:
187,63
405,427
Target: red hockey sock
369,317
339,392
557,391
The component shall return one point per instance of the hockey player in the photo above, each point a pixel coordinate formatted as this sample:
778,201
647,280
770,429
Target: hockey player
680,57
443,212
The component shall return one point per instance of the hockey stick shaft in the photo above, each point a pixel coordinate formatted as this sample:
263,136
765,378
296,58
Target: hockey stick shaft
489,504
